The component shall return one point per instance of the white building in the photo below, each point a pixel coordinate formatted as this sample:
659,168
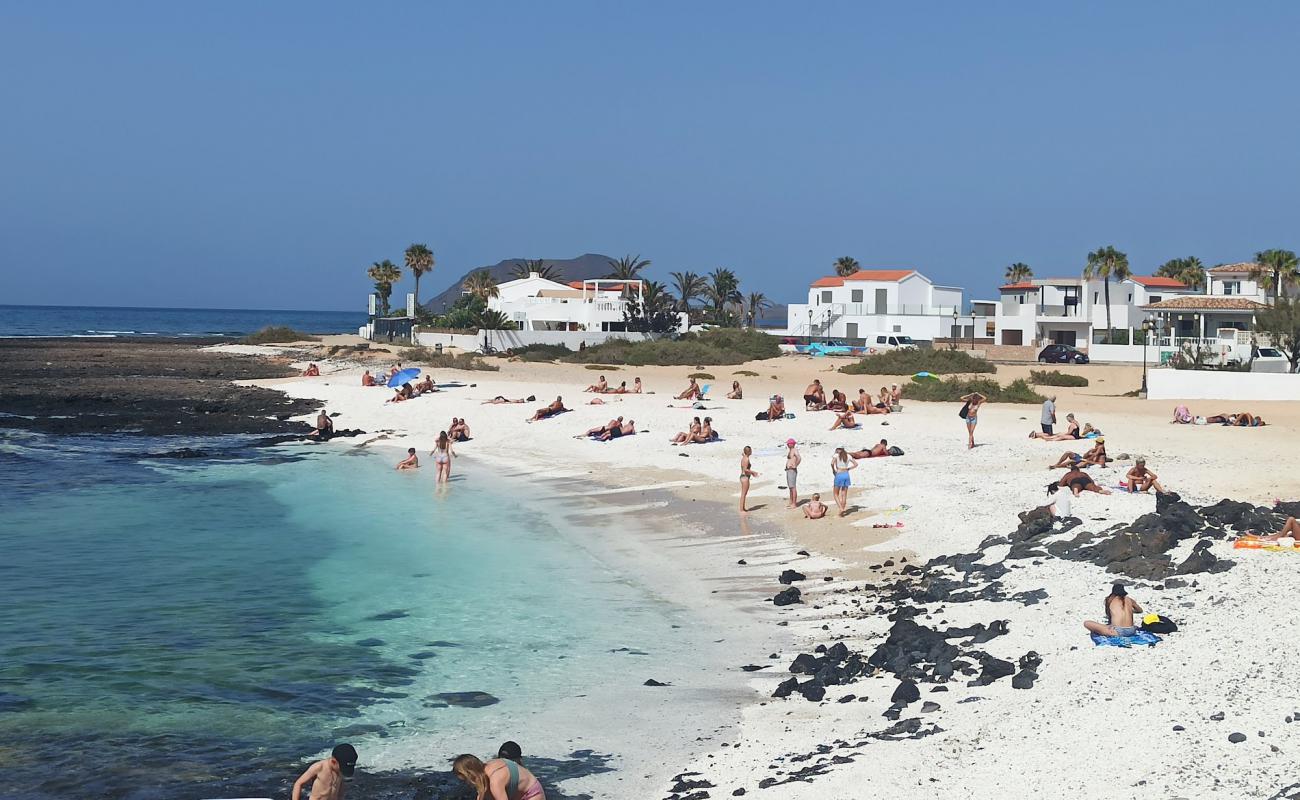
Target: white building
872,301
1227,307
1073,311
538,304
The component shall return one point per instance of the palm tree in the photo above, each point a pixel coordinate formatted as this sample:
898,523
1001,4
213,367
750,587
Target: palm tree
384,273
755,305
655,298
1018,272
1189,271
722,291
1276,268
627,268
419,260
489,319
689,286
524,268
1107,263
481,284
846,266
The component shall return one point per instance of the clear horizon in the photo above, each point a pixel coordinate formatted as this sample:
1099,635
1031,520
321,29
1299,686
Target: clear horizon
212,157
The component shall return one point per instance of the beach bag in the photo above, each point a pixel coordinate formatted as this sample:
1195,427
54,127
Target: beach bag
761,416
964,410
1155,623
895,450
1199,421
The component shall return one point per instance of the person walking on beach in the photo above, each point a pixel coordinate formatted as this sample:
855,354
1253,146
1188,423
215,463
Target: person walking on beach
970,413
1049,415
1119,614
410,462
841,463
745,474
442,453
792,460
326,776
498,779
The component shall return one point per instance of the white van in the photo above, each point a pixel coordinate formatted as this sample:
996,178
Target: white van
890,341
1270,359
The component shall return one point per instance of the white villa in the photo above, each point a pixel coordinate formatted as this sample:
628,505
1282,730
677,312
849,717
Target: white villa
538,304
1229,303
1073,310
873,301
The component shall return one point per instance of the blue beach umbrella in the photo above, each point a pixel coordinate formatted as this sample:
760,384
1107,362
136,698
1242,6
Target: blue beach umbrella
405,376
924,376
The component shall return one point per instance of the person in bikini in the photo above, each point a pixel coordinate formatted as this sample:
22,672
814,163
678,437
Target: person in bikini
1071,432
326,776
500,400
687,436
735,393
974,402
598,387
1078,482
875,451
622,389
746,472
1120,609
1093,457
844,420
547,412
814,397
815,508
705,434
1141,479
442,453
691,392
412,461
498,779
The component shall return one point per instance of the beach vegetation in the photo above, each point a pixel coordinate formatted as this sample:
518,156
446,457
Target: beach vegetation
702,376
278,334
755,304
541,352
1108,264
1282,324
952,389
1274,269
912,361
527,266
384,274
480,284
601,367
489,319
426,357
846,266
747,373
717,346
462,315
688,286
724,298
1054,377
1018,272
1189,271
652,310
419,260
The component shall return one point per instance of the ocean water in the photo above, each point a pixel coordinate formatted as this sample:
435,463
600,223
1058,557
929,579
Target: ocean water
170,322
199,628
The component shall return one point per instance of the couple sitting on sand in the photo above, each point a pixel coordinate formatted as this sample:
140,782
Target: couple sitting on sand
458,430
1096,457
698,433
611,430
500,778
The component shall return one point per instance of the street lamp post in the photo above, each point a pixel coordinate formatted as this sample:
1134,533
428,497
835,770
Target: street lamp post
955,331
972,330
810,326
1147,327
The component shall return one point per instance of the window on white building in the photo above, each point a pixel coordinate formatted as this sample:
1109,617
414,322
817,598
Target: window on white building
1094,297
1155,298
826,297
1232,287
856,296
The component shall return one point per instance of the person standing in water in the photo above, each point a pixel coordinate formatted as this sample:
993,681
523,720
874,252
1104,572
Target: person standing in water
442,453
1120,609
326,776
745,474
841,463
498,779
792,461
970,413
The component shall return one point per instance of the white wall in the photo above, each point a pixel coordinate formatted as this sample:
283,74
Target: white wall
503,340
1129,353
1186,384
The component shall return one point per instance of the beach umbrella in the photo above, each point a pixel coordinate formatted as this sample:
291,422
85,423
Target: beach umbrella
405,376
924,376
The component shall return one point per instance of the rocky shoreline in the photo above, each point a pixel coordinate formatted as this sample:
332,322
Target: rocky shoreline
149,387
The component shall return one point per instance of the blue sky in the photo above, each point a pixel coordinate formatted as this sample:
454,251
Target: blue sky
263,154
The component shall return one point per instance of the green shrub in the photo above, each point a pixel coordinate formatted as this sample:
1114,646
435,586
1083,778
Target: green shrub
278,334
953,389
1054,377
542,352
720,346
748,373
434,360
910,362
703,376
601,367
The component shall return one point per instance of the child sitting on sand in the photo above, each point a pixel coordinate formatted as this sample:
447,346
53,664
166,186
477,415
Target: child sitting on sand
815,508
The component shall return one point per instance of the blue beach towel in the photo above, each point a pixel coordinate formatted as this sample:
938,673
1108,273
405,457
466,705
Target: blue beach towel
1140,638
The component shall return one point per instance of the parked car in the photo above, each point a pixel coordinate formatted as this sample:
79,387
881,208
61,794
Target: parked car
1270,359
889,341
1062,354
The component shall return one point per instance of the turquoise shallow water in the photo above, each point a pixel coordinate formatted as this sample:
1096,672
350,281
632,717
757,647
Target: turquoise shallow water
197,625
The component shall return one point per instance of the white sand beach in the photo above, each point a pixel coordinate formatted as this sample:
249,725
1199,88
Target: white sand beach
1098,722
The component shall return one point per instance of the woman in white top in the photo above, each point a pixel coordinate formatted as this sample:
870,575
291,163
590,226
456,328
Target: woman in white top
841,463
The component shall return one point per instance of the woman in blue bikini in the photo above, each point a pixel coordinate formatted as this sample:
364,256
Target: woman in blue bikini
970,412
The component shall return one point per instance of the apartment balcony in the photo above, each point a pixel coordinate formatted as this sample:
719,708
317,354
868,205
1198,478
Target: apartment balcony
1058,313
901,310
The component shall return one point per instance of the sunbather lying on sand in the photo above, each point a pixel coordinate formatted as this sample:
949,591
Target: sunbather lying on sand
691,392
599,386
622,389
688,435
1141,479
615,431
402,394
597,431
1247,420
1079,481
844,420
1291,530
549,411
1071,432
1120,609
815,508
500,400
875,451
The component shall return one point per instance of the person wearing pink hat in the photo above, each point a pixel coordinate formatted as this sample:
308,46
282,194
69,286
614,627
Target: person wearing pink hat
792,460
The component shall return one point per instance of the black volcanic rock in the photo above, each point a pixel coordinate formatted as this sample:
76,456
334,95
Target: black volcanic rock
789,576
787,597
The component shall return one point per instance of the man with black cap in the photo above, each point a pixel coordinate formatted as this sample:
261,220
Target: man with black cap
326,776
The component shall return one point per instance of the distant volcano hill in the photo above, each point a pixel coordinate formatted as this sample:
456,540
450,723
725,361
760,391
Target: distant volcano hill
582,268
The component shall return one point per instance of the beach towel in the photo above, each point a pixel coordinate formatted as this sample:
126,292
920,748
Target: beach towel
1255,543
1140,638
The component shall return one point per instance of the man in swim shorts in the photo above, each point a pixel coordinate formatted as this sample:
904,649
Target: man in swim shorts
792,460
